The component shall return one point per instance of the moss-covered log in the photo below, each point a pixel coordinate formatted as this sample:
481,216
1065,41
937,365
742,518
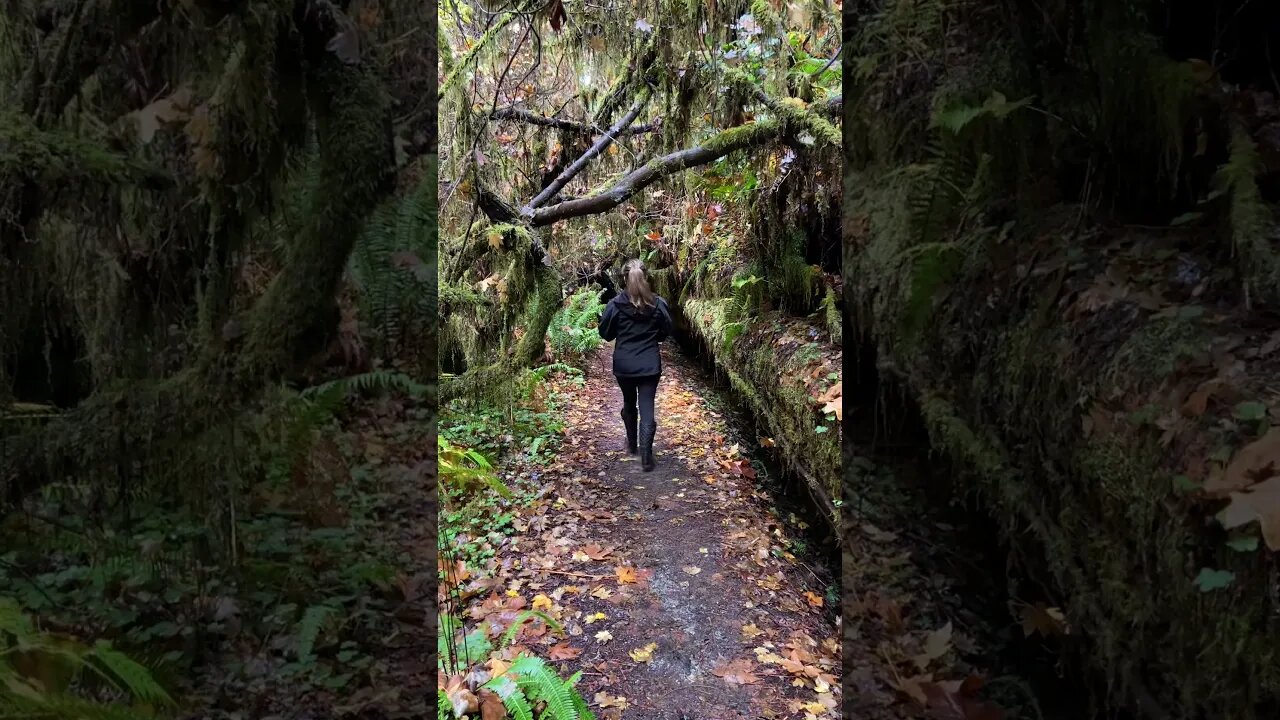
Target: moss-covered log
1094,378
780,374
1087,413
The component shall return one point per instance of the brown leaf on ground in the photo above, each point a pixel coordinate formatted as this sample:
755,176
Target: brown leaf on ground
936,644
491,707
737,672
1261,502
1047,621
595,552
834,406
563,651
958,700
603,699
1256,462
625,574
913,687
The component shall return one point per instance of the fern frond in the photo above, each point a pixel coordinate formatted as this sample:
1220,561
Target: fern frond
129,676
309,629
510,635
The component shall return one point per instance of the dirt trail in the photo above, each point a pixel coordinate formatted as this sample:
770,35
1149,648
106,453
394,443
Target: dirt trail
741,627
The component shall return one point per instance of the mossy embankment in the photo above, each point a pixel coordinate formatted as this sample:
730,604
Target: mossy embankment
769,320
1062,262
779,370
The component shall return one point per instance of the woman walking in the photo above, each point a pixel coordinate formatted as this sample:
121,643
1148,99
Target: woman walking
639,320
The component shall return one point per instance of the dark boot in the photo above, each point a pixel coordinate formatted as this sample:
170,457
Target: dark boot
647,431
629,422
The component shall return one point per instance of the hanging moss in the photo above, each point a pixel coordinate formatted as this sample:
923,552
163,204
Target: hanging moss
1250,219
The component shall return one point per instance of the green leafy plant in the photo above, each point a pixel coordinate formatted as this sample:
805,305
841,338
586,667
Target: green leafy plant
572,332
530,681
46,676
463,470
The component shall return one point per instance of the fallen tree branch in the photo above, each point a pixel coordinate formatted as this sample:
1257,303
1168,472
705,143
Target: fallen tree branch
727,141
532,118
52,158
592,152
791,110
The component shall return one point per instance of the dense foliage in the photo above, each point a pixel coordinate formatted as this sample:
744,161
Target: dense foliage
217,263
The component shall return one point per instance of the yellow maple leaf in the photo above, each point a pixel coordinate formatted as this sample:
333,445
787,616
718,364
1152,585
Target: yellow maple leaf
604,636
595,617
541,602
643,654
497,667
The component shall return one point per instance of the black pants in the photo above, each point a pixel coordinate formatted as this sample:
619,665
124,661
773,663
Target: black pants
642,389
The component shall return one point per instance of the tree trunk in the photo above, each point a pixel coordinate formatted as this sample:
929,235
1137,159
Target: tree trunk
153,420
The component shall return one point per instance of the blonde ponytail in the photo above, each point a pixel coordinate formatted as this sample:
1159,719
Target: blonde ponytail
638,290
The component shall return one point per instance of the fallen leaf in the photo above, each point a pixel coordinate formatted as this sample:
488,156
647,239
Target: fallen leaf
1260,502
595,552
835,406
563,651
595,617
541,602
814,599
644,654
491,707
737,672
1256,462
691,569
602,592
625,574
751,631
604,636
1047,621
497,667
936,644
605,701
958,700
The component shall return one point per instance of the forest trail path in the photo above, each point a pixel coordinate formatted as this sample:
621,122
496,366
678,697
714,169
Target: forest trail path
707,613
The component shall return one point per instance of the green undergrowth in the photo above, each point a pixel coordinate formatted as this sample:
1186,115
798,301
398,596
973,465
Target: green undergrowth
573,330
297,570
491,460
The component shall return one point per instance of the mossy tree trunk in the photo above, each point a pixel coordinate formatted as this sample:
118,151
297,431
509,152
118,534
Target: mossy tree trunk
148,422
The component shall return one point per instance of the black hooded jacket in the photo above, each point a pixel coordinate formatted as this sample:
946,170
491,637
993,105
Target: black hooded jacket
638,332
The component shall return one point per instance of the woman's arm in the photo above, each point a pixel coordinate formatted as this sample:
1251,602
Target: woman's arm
608,323
664,320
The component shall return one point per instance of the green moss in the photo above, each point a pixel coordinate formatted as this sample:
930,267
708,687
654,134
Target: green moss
1250,218
745,353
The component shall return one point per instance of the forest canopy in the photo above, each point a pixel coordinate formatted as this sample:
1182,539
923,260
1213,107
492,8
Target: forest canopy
578,135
